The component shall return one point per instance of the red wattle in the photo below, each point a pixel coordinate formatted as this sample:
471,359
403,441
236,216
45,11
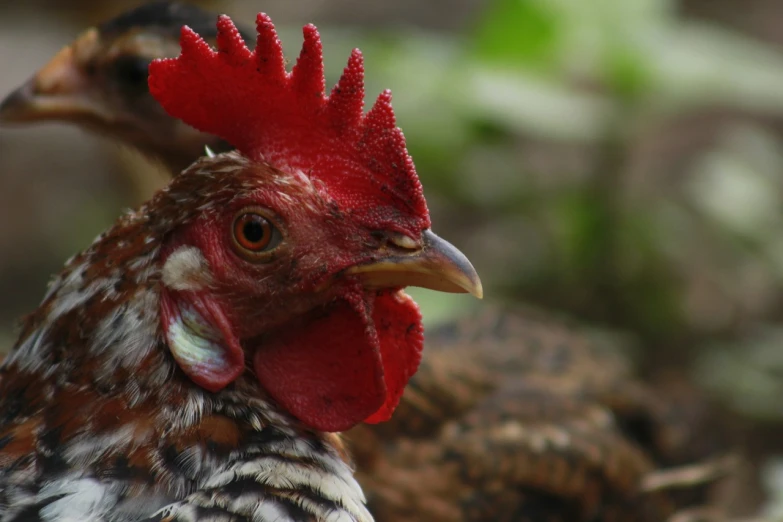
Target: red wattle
328,372
346,366
398,322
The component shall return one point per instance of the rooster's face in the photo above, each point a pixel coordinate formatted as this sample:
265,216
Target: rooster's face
271,269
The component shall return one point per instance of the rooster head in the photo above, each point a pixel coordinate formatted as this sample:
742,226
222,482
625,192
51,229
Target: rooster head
296,247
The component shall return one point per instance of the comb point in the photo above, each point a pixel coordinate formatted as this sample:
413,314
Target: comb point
192,44
269,50
381,115
346,100
307,76
231,47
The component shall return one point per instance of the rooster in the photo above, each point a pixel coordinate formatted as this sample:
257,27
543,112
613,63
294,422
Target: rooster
499,371
196,360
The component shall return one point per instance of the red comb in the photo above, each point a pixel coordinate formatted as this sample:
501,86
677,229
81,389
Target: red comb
285,119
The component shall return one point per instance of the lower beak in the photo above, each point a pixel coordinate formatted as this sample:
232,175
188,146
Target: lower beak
437,265
59,91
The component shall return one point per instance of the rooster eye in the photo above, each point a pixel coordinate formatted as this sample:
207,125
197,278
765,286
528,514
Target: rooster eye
253,234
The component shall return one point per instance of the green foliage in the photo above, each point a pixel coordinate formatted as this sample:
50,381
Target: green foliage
523,32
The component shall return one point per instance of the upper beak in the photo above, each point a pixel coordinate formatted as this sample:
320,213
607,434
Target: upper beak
59,91
437,265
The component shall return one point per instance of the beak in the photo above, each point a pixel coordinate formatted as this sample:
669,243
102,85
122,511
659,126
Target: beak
59,91
437,265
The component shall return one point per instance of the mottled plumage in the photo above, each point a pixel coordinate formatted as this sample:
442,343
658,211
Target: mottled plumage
97,420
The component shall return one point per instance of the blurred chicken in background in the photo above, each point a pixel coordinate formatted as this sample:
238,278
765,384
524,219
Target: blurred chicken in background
99,82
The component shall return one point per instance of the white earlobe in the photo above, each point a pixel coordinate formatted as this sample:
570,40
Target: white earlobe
194,342
186,270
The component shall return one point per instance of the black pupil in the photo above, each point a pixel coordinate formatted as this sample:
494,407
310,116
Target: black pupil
254,230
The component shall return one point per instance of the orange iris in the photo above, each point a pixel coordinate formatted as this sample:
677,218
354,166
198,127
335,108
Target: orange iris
252,232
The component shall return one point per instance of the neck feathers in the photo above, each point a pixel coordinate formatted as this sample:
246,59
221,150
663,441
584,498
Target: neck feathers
97,420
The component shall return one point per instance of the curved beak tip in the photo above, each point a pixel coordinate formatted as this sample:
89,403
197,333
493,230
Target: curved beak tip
477,291
452,265
466,278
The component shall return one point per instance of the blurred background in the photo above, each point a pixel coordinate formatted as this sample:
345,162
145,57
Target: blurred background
619,161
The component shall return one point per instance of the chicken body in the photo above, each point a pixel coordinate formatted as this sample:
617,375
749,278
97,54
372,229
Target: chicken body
516,415
511,416
97,422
